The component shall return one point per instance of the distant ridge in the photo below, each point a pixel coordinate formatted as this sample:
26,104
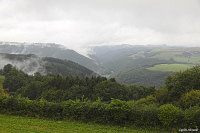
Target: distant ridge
130,64
49,50
31,64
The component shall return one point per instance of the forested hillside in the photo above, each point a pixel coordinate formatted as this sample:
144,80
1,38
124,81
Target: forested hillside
141,76
144,65
58,88
31,64
48,50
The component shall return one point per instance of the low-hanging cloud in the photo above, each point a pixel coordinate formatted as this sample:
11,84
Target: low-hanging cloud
78,23
29,66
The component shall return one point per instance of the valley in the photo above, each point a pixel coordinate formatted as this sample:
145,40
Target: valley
140,89
129,64
144,65
99,66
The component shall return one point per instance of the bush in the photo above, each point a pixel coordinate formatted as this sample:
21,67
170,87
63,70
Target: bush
144,112
170,116
76,110
97,112
183,82
161,95
148,116
149,100
190,99
118,111
3,93
192,117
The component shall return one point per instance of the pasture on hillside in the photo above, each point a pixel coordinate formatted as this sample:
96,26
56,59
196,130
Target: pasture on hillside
170,67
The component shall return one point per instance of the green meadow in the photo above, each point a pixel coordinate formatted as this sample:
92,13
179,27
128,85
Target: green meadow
176,55
16,124
170,67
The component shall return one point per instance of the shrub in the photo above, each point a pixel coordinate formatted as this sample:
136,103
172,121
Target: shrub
183,82
3,93
169,115
76,110
118,111
143,114
149,100
147,116
161,95
190,99
192,117
97,112
53,110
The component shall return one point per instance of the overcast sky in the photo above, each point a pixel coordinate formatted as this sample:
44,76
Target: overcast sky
80,23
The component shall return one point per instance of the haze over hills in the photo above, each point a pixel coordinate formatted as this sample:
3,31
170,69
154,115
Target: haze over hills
31,64
144,65
48,50
147,65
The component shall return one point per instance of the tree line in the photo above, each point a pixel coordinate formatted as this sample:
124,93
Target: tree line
56,88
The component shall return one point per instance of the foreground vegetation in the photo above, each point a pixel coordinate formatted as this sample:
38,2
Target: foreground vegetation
23,125
98,100
142,113
1,82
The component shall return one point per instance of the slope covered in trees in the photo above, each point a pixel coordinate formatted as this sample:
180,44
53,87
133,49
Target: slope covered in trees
47,65
58,88
131,64
48,50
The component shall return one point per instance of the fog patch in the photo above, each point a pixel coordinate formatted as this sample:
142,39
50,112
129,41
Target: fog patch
30,65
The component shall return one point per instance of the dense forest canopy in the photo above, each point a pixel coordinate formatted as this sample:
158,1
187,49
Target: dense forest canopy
57,88
60,88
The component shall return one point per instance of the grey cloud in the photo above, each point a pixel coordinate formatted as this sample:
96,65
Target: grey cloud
78,23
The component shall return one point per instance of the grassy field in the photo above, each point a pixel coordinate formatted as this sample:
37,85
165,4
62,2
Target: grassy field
16,124
170,67
176,55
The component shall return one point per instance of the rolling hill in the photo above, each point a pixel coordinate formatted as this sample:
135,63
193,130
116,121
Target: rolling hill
46,65
129,64
49,50
144,65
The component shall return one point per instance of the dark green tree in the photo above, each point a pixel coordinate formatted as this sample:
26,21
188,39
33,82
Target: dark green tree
183,82
7,68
